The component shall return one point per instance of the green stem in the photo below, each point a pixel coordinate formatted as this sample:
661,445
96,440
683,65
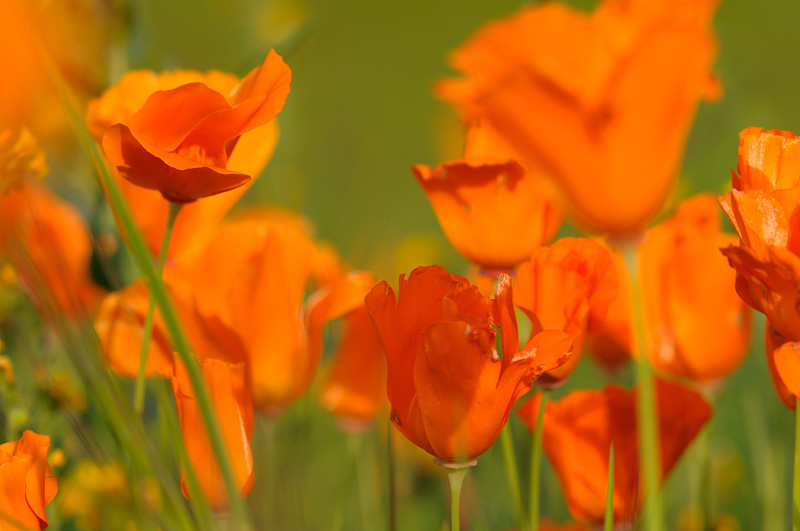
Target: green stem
139,249
647,415
512,471
456,477
392,479
796,482
536,462
144,351
609,519
355,444
269,428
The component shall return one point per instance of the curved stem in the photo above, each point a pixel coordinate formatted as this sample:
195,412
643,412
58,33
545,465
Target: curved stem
647,414
456,477
510,458
144,351
536,462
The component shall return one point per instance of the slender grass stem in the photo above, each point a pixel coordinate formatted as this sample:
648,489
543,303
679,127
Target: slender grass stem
512,472
647,415
536,462
609,516
144,352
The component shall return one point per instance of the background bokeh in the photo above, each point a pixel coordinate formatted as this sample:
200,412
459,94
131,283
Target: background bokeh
360,113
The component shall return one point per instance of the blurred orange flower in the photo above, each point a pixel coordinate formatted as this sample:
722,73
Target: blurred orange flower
28,486
180,140
198,219
256,272
493,209
120,326
603,101
567,286
244,298
580,428
450,391
355,388
227,387
74,37
698,327
48,243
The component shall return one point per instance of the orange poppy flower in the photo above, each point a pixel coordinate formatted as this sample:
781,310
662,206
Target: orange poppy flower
567,286
580,428
48,243
120,326
698,327
355,388
493,210
27,485
603,101
227,387
761,207
197,220
450,391
180,140
256,272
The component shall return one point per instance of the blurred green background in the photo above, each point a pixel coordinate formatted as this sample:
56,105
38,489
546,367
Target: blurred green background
360,113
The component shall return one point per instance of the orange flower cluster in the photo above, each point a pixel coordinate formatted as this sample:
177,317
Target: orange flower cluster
26,484
762,206
450,391
580,429
602,101
688,290
258,338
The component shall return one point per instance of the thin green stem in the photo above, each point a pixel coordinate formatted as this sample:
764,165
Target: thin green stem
144,261
609,518
512,472
392,479
647,416
456,477
355,444
144,351
269,429
796,480
536,462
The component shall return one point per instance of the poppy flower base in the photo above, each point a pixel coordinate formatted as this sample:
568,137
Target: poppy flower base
455,464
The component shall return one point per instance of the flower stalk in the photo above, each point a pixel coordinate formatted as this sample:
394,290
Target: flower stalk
608,524
647,416
456,472
796,479
510,459
139,392
536,461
